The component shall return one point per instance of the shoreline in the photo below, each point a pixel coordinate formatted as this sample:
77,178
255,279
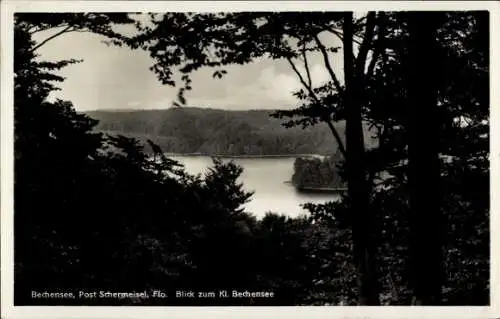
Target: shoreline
322,190
305,189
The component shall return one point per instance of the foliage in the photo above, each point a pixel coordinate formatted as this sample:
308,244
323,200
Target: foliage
318,172
63,23
103,214
189,130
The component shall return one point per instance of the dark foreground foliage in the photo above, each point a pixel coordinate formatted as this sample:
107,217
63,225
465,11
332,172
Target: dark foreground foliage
96,213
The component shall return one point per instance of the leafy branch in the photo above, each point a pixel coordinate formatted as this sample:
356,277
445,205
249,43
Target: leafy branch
65,30
318,102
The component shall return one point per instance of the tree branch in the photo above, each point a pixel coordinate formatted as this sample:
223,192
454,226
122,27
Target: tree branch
327,64
394,290
306,64
315,98
30,31
65,30
378,44
340,35
35,29
360,62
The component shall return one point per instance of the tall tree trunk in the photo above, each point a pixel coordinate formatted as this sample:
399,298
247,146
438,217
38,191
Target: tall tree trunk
425,263
362,219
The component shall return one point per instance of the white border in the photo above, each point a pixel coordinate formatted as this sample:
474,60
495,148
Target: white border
8,311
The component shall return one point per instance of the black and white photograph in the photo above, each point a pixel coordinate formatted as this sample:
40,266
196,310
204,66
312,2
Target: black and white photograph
265,157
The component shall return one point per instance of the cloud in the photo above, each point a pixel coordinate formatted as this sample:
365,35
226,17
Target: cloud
115,78
133,104
250,86
281,86
268,88
277,86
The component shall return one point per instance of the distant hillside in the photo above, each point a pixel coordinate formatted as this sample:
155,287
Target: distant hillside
218,132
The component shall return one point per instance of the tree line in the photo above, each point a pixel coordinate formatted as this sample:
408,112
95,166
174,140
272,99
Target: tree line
210,132
318,172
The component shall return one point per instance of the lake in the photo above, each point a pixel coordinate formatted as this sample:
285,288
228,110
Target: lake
266,177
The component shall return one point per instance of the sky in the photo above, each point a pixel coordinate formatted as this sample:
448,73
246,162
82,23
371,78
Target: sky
119,78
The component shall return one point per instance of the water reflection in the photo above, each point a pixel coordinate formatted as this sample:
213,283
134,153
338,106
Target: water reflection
267,177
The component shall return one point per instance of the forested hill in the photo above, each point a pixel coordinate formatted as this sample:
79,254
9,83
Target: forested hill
218,132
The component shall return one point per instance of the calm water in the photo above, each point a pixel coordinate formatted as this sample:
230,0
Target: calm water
266,177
